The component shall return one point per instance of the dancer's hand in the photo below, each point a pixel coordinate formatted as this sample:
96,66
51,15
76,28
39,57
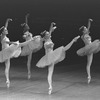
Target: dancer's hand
90,19
16,43
54,27
53,23
76,38
32,38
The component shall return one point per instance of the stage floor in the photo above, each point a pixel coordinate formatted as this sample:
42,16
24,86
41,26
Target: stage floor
67,84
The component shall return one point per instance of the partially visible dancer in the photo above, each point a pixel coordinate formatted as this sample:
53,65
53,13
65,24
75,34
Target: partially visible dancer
32,46
90,47
51,56
5,54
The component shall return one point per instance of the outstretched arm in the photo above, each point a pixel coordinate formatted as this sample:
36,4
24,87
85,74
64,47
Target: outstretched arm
71,43
25,43
8,42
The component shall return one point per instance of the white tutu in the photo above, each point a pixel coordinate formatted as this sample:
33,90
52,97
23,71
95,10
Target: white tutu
93,47
32,46
52,57
10,52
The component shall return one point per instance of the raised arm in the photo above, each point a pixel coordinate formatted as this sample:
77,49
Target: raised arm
6,24
89,24
26,28
52,27
26,20
2,28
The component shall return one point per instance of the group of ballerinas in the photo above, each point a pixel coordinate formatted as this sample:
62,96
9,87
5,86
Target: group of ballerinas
51,57
16,49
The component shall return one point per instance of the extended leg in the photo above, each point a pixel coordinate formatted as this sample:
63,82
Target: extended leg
29,65
50,73
7,65
68,46
89,62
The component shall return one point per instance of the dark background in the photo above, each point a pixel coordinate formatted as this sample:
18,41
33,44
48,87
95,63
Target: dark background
69,16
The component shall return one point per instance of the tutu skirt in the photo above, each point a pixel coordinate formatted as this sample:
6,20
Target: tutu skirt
33,46
94,47
52,57
12,51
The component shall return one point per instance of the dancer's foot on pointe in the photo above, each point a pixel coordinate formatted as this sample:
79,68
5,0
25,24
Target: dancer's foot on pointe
50,90
29,76
89,80
8,84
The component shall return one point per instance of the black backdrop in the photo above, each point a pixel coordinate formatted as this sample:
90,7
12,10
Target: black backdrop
68,15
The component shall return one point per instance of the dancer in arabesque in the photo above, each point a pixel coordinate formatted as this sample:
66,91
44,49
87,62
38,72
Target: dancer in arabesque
90,47
51,56
32,46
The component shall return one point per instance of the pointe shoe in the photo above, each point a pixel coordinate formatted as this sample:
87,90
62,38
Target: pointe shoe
50,91
8,84
89,80
29,76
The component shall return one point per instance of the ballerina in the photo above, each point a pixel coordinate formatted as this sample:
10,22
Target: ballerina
89,49
9,50
51,56
32,47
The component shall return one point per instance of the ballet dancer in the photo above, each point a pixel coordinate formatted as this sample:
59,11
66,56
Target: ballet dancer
9,50
89,49
51,56
32,47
